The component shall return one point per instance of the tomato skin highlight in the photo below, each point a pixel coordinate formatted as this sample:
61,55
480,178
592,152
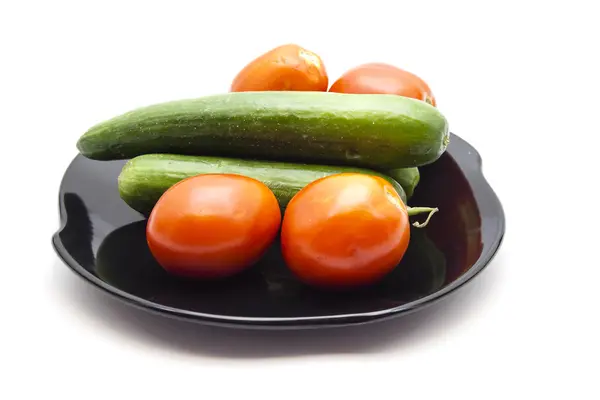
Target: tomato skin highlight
381,78
285,68
213,226
345,231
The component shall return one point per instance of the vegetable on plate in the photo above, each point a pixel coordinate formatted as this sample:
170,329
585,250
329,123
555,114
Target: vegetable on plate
381,78
213,226
375,131
286,67
144,179
346,230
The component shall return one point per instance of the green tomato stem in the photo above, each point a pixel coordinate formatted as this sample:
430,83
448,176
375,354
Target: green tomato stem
419,210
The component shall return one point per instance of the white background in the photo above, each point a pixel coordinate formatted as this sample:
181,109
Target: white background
518,80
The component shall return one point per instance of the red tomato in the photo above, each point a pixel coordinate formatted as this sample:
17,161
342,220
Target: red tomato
213,226
345,230
379,78
286,68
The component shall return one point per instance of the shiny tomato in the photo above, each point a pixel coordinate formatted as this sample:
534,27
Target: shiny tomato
345,230
379,78
287,68
213,226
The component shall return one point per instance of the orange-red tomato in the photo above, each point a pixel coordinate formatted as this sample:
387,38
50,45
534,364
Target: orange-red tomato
284,68
380,78
213,226
345,230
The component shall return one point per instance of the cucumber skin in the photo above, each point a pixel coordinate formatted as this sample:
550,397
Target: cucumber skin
408,178
376,131
144,179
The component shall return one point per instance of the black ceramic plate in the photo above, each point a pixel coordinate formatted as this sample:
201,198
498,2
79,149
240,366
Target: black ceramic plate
103,241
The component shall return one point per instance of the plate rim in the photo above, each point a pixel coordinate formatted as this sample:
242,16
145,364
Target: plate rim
471,166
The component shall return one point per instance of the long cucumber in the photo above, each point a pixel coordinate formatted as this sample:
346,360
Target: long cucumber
144,179
376,131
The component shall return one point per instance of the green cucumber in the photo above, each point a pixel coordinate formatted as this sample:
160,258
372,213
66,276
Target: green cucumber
376,131
144,179
408,178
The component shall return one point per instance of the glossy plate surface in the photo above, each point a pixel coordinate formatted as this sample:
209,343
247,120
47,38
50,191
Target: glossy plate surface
103,240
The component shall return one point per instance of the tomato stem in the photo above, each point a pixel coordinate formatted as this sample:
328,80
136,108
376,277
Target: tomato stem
419,210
